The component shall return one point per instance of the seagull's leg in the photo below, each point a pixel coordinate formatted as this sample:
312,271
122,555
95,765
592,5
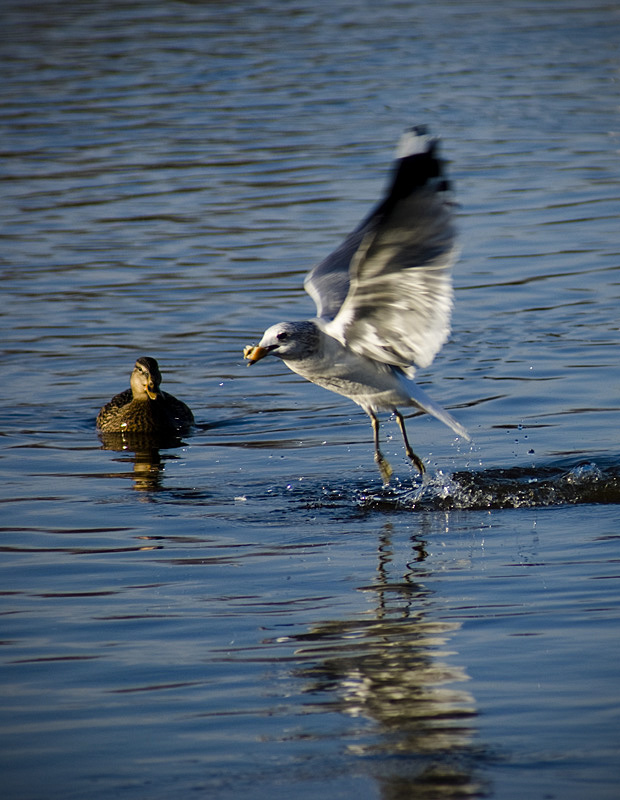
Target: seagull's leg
416,460
384,467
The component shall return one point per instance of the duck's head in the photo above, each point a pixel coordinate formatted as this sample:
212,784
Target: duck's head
145,378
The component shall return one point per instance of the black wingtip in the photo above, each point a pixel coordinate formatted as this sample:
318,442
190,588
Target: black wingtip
417,164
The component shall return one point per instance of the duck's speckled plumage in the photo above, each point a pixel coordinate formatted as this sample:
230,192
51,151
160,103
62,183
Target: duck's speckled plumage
144,407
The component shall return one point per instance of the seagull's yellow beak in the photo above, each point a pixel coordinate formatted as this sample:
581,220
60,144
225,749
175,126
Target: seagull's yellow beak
254,353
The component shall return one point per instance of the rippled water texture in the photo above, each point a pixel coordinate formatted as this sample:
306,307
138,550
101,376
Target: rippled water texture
248,612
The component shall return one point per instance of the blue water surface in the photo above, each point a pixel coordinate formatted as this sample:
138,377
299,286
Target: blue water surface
251,613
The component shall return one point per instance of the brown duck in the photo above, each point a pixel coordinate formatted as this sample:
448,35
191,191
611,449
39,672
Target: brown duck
145,408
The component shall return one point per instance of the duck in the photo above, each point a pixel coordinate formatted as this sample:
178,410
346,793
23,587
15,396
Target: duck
144,407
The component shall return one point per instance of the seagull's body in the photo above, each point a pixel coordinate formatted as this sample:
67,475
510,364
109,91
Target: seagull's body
383,298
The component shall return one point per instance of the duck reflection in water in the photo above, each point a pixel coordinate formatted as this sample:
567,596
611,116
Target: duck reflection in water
144,419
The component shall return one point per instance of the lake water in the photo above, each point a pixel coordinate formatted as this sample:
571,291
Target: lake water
251,614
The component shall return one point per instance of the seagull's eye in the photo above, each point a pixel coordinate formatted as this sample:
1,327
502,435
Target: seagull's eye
282,336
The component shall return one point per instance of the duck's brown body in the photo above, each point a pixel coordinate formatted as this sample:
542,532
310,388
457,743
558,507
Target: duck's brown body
145,408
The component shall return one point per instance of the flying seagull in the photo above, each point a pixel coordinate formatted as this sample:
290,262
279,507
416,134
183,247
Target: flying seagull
383,299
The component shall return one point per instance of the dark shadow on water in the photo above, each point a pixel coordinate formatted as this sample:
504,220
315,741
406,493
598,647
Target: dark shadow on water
564,482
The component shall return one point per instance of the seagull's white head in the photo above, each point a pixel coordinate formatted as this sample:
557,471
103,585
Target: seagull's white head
290,341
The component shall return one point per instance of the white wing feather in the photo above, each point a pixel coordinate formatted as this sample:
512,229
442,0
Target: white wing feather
386,292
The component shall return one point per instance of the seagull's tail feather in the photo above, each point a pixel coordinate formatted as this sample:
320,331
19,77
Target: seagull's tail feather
426,403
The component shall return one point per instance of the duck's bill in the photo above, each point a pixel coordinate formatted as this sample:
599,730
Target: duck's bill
152,392
254,353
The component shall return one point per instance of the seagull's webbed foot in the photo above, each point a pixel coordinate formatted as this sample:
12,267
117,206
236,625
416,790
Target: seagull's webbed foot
410,454
384,467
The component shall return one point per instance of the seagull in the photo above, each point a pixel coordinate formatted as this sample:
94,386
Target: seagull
383,299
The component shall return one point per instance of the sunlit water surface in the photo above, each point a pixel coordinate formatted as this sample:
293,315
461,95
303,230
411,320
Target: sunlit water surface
251,614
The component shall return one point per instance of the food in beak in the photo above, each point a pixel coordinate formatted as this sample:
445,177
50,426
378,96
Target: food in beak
254,353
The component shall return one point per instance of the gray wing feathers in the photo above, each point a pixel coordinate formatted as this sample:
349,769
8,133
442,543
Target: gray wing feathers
398,306
328,282
386,292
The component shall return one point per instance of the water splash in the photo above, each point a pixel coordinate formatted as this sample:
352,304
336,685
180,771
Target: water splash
557,483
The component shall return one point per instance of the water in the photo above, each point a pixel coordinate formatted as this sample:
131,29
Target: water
251,613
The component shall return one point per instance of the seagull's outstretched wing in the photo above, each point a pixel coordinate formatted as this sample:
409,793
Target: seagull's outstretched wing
386,292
